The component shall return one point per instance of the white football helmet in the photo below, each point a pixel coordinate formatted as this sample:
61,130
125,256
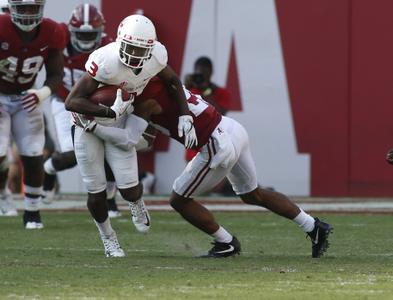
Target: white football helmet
4,7
26,14
136,37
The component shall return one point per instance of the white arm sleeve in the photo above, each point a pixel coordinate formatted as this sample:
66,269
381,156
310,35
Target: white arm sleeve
142,144
125,138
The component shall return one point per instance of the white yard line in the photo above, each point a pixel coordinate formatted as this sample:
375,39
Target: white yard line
159,203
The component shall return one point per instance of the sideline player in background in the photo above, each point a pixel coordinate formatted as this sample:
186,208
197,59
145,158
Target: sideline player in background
129,63
27,42
84,34
225,152
7,207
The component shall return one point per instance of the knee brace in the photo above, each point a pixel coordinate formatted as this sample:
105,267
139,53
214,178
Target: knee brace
132,194
63,161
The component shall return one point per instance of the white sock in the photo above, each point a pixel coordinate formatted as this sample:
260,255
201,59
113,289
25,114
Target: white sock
104,228
305,221
49,168
222,236
32,204
32,201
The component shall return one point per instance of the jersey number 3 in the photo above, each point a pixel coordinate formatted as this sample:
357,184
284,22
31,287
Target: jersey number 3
93,69
30,68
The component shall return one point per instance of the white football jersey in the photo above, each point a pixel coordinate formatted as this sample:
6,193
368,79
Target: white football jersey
104,65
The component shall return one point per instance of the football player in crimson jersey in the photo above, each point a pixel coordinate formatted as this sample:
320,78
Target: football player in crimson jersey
84,34
27,42
129,63
225,152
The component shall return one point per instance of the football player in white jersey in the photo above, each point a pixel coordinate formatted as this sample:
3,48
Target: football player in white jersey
84,34
129,63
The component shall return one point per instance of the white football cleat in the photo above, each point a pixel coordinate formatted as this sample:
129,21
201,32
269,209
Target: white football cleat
112,246
34,225
140,216
114,214
7,206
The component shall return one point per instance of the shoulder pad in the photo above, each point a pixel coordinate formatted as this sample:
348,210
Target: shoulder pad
160,54
102,63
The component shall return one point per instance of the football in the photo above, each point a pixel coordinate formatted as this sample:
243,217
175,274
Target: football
106,95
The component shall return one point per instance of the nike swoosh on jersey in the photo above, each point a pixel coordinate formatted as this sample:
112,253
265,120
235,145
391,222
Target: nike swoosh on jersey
44,48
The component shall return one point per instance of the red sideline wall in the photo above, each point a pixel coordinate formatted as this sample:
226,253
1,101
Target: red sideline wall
339,65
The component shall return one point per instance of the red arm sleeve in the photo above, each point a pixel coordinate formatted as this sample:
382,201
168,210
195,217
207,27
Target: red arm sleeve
223,98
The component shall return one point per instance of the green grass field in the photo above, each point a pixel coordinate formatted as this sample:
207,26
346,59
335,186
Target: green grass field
66,261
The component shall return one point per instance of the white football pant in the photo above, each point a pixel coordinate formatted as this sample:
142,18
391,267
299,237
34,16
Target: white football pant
198,178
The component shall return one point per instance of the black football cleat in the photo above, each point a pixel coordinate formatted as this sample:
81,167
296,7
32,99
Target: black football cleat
221,250
319,238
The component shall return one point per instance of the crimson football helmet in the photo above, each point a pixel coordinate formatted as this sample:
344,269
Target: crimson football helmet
86,27
136,37
26,14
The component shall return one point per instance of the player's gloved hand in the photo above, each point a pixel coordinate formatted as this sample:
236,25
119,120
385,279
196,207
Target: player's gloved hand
87,125
33,97
120,106
389,157
186,127
225,149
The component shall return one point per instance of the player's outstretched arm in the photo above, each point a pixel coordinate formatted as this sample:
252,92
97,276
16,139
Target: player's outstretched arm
77,100
175,89
126,138
135,132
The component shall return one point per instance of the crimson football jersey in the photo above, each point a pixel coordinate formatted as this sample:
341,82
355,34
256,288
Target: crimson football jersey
74,65
20,62
206,117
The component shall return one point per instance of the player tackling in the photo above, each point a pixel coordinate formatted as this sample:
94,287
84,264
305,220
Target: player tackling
225,152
